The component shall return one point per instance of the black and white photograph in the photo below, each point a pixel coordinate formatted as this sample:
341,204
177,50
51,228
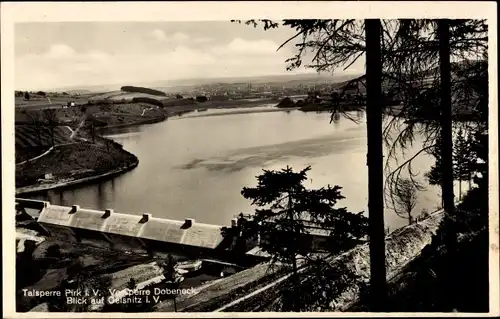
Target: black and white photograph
334,157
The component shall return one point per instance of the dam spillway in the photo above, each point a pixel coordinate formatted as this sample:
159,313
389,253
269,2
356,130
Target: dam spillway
137,233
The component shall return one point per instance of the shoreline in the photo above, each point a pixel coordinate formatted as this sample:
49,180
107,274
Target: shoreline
144,122
37,188
175,112
179,111
62,184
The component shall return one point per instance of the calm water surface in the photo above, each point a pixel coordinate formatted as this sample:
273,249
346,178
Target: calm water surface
196,165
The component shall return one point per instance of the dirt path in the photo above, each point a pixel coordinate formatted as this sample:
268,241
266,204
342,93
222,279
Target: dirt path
145,110
36,157
72,133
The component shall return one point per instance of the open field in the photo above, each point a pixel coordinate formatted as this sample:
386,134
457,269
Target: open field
51,101
111,114
131,95
119,95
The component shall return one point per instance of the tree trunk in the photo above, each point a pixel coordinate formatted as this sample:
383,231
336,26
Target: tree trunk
374,109
443,29
459,189
446,119
296,306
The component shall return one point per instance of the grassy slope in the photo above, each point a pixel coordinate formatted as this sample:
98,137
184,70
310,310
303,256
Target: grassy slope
74,161
77,160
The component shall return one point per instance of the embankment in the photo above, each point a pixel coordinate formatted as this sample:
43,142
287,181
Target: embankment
74,164
260,289
402,246
136,123
67,183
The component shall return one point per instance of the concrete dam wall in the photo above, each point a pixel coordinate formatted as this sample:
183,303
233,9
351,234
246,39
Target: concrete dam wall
138,233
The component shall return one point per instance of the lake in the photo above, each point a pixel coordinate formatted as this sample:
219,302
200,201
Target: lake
195,165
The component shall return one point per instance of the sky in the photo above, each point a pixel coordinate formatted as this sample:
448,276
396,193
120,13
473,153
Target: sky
64,54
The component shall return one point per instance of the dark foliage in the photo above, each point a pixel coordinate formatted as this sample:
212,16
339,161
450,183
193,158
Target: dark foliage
147,100
139,89
201,98
288,213
51,120
286,102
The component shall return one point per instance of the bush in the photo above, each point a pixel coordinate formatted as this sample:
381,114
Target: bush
105,107
104,102
147,100
286,102
54,251
139,89
168,103
201,98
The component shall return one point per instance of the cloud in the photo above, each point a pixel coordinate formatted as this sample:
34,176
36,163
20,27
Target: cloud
203,40
61,65
178,37
258,46
57,51
159,35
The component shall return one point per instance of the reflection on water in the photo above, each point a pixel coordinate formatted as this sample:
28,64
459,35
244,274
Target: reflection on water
197,166
259,156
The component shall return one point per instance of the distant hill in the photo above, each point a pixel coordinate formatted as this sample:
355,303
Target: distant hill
285,78
461,69
99,88
78,91
187,83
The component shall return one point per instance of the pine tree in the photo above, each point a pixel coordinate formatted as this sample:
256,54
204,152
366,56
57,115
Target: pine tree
286,210
463,158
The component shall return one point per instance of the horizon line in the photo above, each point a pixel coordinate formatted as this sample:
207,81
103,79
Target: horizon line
86,86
